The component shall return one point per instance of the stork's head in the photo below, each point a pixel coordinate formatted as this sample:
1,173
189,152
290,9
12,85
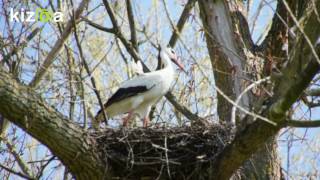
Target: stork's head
169,52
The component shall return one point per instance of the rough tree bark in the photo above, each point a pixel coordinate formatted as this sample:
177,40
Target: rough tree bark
229,41
226,55
67,140
225,25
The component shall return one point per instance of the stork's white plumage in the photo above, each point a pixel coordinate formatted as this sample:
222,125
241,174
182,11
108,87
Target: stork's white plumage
137,95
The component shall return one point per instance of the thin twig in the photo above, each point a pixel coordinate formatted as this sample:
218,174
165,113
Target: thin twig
313,50
93,81
58,45
15,172
22,45
44,166
166,153
84,105
23,166
97,26
234,108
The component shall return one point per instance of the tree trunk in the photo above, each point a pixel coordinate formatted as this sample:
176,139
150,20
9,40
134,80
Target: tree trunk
264,164
228,42
296,71
226,56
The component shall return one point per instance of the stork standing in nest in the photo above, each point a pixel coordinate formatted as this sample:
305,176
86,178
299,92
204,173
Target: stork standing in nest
137,95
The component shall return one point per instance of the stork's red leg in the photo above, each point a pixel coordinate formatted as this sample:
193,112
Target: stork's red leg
126,119
146,121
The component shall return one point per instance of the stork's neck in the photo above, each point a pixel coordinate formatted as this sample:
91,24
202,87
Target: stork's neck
166,61
167,67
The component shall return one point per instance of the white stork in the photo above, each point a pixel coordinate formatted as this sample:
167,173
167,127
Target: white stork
137,95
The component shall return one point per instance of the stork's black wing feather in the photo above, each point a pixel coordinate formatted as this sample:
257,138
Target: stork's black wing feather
123,93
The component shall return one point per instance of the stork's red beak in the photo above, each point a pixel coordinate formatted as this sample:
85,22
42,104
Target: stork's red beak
177,61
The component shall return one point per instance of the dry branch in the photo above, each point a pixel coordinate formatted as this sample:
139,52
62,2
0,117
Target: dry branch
303,124
181,22
132,24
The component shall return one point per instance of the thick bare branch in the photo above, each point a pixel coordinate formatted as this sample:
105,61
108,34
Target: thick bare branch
295,78
313,92
277,34
181,22
132,24
303,124
67,140
4,123
255,135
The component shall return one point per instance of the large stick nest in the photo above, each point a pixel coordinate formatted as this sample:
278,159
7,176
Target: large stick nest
175,152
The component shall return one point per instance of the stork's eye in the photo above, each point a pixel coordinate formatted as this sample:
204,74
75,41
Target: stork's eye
172,51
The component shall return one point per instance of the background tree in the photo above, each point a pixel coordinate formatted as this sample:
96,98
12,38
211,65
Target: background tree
244,91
